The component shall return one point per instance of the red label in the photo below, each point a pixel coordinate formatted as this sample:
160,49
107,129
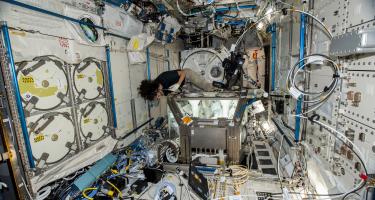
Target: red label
118,23
64,43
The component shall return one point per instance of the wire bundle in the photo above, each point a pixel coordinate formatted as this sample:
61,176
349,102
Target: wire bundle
239,175
313,100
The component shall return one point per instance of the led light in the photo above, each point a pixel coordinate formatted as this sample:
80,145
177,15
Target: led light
268,12
260,25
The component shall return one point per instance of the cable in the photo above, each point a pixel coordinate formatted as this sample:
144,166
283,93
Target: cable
359,155
292,74
85,195
216,54
367,191
313,99
183,184
75,174
119,191
359,187
27,189
43,193
345,139
351,194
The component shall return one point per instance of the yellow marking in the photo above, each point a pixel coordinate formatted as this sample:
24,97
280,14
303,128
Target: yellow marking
99,77
86,120
19,33
110,193
187,120
135,44
27,79
39,138
80,76
26,84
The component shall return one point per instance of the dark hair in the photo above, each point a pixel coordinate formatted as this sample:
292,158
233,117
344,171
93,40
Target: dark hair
148,89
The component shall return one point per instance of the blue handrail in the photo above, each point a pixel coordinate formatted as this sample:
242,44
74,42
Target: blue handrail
301,56
273,56
110,81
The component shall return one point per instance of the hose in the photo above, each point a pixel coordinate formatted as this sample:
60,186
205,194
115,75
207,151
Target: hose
43,193
314,99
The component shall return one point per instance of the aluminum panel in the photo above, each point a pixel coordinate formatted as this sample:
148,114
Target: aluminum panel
360,11
137,73
358,97
141,110
120,69
365,140
333,14
353,42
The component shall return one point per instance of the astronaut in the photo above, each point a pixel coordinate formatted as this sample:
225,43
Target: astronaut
171,81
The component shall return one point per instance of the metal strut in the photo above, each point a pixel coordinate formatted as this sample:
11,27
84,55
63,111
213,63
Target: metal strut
12,68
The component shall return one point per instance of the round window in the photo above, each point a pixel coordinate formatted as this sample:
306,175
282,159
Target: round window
90,31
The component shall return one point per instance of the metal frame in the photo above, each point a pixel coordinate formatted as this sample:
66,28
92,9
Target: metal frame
232,127
14,120
11,122
7,43
354,42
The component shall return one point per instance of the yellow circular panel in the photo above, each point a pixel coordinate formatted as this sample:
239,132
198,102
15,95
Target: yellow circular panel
41,85
88,77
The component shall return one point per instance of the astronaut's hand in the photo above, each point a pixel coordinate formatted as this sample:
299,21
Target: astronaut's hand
174,87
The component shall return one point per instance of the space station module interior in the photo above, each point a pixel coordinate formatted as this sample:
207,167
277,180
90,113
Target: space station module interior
187,99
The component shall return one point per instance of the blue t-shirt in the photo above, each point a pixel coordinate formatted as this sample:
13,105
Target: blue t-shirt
167,79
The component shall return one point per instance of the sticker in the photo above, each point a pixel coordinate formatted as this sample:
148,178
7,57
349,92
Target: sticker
136,44
64,43
39,138
27,79
118,23
80,76
187,120
86,120
19,33
27,96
